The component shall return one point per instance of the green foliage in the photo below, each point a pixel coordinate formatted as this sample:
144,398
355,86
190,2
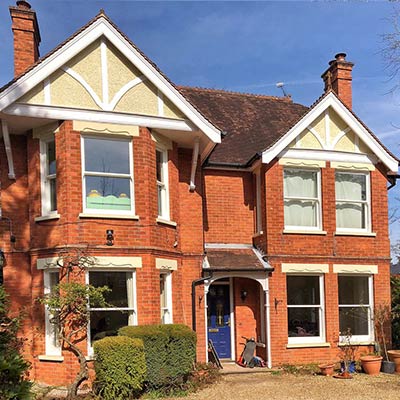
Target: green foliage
120,367
170,352
395,288
13,368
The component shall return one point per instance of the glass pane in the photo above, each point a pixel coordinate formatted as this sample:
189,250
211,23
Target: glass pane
355,319
53,194
300,213
51,158
160,198
303,290
117,282
351,215
350,186
108,193
303,322
107,156
353,290
159,161
163,291
54,279
106,323
300,183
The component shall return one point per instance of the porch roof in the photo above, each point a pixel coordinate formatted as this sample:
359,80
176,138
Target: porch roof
234,259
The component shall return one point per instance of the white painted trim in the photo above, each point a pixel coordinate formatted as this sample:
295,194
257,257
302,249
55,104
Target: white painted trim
46,357
353,166
227,246
317,136
305,268
65,113
232,319
304,345
104,70
327,119
354,269
302,163
44,177
168,288
268,322
101,27
128,86
109,216
195,156
166,264
355,233
8,148
165,208
48,217
117,262
160,103
85,85
166,222
101,128
338,156
303,232
331,101
47,91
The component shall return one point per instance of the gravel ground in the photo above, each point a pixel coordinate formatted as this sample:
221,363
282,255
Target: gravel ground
293,387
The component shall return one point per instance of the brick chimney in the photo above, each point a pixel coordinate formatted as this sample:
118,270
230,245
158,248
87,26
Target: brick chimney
338,78
26,36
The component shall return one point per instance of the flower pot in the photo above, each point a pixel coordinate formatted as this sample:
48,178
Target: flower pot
394,355
388,367
326,369
371,364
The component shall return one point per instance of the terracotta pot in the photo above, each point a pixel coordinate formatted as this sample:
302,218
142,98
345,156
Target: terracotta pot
371,364
394,355
326,369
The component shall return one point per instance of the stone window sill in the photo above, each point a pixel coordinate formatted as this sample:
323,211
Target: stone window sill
46,357
47,217
166,222
367,234
301,232
303,345
109,216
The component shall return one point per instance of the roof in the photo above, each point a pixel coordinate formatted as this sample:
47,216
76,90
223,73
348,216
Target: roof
236,260
395,269
251,122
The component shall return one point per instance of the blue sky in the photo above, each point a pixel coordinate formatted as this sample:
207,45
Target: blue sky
245,46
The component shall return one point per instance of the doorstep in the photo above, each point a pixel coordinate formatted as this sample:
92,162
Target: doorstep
231,368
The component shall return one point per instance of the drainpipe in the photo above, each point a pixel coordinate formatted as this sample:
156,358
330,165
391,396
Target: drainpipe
268,323
7,145
195,157
194,284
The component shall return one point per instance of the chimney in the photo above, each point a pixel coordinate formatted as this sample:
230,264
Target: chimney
338,78
26,36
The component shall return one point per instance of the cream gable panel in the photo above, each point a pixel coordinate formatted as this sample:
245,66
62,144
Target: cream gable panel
171,111
308,140
34,96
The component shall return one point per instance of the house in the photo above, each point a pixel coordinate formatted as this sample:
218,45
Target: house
236,214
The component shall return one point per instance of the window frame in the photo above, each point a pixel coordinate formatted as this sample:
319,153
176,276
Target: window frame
167,275
129,176
132,318
45,177
368,224
164,185
318,200
371,332
322,325
50,348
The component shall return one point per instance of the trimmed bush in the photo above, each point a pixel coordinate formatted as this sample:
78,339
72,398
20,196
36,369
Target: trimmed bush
170,352
120,367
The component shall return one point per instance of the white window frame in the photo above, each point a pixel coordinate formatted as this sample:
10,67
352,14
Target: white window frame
318,200
132,309
258,219
167,310
45,177
107,175
51,348
311,339
371,334
163,185
367,201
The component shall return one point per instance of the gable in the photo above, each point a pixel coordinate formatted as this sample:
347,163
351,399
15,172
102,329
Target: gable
101,78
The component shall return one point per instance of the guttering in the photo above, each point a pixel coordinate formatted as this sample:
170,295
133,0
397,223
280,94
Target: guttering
195,283
195,157
392,178
221,164
7,145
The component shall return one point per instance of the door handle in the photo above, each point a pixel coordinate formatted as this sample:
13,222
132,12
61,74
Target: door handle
228,323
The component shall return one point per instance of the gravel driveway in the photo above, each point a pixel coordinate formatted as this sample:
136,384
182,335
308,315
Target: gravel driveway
293,387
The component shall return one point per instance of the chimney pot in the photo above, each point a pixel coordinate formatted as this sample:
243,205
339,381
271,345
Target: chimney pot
340,56
23,4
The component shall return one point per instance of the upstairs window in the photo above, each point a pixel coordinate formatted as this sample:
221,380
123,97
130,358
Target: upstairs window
107,175
48,176
352,202
302,199
162,183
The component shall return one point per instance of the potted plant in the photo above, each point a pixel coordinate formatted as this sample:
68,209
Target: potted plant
383,316
347,352
326,369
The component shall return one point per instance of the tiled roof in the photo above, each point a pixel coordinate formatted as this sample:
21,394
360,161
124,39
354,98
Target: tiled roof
252,123
234,260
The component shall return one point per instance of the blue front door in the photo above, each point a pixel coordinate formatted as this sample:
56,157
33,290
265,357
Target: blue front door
219,325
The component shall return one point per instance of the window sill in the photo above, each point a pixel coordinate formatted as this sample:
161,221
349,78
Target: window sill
166,222
356,343
51,358
109,216
303,345
301,232
47,217
367,234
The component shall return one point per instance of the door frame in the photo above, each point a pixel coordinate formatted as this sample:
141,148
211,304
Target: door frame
231,314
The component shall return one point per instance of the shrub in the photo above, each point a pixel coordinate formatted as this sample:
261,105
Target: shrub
170,352
13,367
120,367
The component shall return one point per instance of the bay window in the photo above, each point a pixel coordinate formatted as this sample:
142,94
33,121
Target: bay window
48,176
352,202
107,175
305,308
355,306
302,199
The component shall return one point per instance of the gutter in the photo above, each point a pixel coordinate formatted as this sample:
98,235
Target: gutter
392,178
233,165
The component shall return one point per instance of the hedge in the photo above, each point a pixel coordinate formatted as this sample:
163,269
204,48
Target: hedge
120,367
170,352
